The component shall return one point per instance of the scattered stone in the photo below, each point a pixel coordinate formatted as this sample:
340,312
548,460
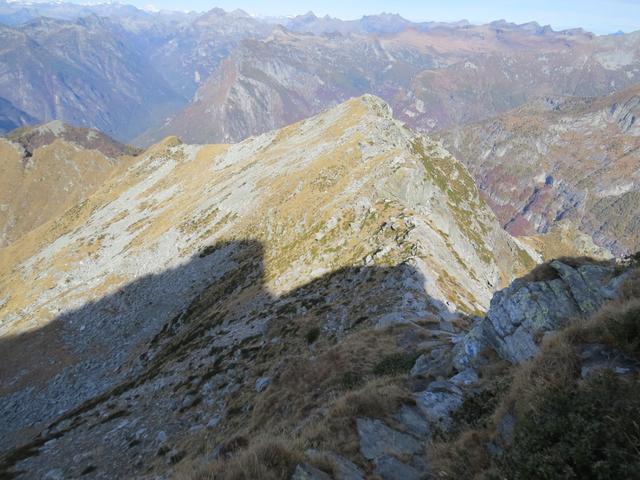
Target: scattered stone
188,401
215,420
55,474
161,438
378,440
465,378
262,383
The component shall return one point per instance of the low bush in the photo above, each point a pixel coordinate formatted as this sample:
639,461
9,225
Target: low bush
265,459
578,431
395,363
312,335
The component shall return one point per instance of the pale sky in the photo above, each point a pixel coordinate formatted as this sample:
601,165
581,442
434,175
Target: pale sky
599,16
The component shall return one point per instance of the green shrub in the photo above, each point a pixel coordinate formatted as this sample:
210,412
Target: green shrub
585,431
351,380
312,335
625,328
395,363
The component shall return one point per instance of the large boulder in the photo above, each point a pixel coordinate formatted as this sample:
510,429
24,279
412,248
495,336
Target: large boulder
378,440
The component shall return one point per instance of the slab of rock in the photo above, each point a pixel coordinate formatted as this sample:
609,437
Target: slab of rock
389,468
378,440
414,422
439,401
435,363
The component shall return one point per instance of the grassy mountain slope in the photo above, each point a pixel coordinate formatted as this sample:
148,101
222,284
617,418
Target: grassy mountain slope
192,255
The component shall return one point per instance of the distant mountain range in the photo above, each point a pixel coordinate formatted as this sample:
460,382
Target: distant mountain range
561,159
223,76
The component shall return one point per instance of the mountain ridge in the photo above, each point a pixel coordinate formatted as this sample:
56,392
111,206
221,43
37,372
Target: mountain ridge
367,195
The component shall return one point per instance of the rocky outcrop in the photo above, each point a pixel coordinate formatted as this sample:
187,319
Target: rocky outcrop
522,314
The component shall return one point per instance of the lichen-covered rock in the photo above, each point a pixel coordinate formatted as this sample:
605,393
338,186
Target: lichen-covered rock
521,314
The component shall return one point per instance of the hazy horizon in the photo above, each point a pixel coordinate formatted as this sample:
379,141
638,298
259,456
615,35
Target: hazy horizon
598,16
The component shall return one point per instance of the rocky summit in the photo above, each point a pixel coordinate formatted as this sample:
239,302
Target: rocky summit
160,308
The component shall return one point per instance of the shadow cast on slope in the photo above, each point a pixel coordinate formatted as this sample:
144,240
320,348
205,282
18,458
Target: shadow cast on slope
108,346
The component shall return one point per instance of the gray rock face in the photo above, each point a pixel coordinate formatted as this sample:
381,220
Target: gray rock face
345,469
378,440
413,421
468,346
435,363
439,401
521,314
389,468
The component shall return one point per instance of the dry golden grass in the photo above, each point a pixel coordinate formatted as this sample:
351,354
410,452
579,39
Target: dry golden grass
316,394
264,459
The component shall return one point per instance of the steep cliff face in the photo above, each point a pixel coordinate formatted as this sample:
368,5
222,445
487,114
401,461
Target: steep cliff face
344,222
434,78
561,159
47,170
